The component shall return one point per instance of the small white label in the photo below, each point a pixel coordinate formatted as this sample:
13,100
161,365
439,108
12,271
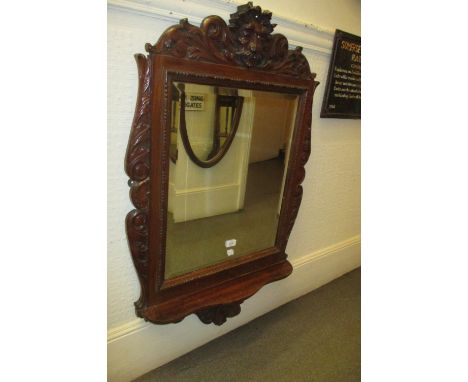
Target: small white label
230,252
230,243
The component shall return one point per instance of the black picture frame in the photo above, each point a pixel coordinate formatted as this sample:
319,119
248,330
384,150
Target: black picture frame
342,98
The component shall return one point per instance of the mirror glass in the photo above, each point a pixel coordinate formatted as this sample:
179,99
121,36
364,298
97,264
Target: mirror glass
229,151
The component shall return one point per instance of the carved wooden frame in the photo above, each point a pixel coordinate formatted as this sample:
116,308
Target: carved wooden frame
243,54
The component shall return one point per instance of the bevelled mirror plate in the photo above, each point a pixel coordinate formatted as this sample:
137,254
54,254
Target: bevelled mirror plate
232,208
216,158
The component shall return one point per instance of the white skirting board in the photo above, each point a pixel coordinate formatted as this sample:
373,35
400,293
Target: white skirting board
138,347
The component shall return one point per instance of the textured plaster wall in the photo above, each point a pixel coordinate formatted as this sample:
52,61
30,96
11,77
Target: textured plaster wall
330,210
336,14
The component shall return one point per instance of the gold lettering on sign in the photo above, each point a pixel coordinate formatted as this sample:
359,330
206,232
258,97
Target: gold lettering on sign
351,46
343,92
347,83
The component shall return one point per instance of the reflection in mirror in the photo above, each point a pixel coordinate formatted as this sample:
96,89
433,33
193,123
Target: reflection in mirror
217,126
227,117
228,208
175,107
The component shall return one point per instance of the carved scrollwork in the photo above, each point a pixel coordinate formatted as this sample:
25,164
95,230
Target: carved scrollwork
299,174
137,167
247,41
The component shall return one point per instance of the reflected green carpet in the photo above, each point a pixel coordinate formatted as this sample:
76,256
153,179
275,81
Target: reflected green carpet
315,338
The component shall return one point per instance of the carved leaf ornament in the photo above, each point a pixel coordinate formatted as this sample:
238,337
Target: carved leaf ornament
247,41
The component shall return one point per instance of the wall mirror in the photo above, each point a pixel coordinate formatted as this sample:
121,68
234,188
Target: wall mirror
216,159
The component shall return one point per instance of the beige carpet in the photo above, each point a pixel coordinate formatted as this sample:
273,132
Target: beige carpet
315,338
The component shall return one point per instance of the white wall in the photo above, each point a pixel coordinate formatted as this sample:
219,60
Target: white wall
325,241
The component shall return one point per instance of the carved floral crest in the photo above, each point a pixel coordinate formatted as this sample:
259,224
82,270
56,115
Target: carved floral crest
247,41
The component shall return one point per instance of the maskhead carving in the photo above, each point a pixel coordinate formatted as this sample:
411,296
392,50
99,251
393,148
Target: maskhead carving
247,41
252,30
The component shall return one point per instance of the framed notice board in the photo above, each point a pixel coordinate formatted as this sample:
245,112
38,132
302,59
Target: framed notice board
342,97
